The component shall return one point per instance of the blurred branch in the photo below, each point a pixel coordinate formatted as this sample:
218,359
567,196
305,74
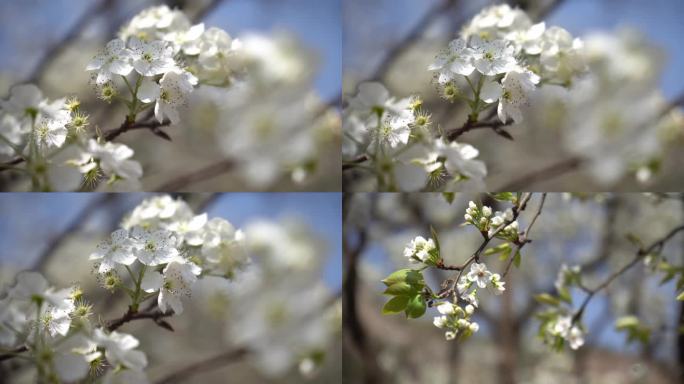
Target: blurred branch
204,12
72,34
215,362
11,354
527,180
402,46
657,246
74,225
354,329
208,172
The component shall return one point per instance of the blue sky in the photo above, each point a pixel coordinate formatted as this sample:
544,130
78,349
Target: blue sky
29,220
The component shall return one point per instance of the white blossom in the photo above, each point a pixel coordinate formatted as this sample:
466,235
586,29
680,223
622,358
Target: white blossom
170,94
153,58
517,86
446,308
176,281
115,59
154,247
479,274
120,349
492,57
419,248
456,60
117,250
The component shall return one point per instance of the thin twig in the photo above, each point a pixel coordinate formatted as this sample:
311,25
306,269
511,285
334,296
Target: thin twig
641,253
153,126
130,315
470,125
206,173
525,236
11,354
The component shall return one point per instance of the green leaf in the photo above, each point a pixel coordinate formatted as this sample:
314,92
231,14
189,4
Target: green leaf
627,322
635,240
449,196
545,298
498,249
505,254
517,259
396,277
680,297
433,233
504,196
415,279
416,307
564,294
395,305
399,289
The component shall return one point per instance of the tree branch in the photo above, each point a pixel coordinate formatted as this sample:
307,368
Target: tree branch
552,171
130,315
208,172
469,125
215,362
153,126
657,246
11,354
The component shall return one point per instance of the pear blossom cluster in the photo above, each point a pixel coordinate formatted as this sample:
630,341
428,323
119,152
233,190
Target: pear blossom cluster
159,58
500,58
498,224
65,343
395,141
164,247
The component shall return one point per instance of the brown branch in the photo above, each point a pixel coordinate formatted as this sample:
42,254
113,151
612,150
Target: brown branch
206,173
351,163
130,315
470,125
153,126
215,362
656,246
552,171
524,237
74,32
74,225
10,354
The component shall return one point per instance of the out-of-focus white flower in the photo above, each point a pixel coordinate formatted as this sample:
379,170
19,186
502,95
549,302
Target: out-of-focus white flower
112,158
575,338
51,132
114,60
158,212
440,321
459,159
446,308
223,247
10,134
189,231
120,349
496,21
528,40
220,57
25,101
154,23
187,41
